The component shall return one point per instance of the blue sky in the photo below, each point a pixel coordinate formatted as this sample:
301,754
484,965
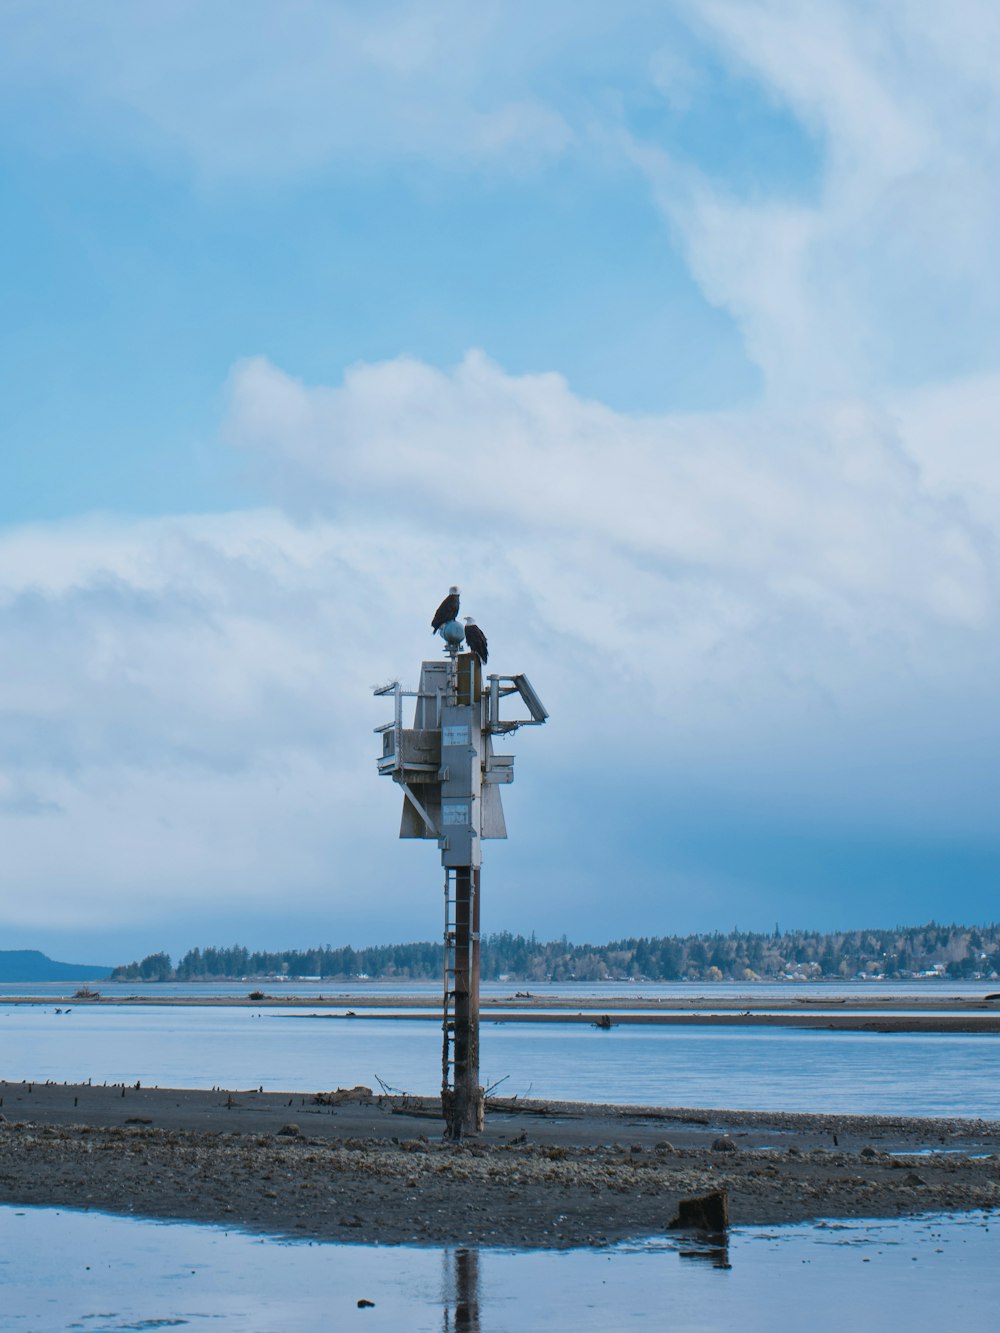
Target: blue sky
668,330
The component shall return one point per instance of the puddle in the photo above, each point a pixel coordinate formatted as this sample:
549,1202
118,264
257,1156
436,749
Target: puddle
943,1152
62,1270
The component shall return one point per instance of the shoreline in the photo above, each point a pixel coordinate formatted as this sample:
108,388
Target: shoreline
954,1014
533,1001
357,1167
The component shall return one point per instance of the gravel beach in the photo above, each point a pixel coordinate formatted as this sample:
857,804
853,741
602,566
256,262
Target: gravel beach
351,1166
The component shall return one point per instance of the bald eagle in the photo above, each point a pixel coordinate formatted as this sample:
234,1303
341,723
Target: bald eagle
476,639
448,610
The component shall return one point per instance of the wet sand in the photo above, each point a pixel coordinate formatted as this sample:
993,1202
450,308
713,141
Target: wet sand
351,1166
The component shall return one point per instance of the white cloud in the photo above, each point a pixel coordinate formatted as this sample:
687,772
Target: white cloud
746,603
887,274
745,573
179,715
880,272
952,430
253,90
830,501
795,603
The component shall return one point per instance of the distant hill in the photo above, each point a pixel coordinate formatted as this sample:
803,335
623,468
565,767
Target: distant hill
31,965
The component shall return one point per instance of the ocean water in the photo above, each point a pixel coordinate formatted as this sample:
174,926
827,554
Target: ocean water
63,1270
928,988
925,1074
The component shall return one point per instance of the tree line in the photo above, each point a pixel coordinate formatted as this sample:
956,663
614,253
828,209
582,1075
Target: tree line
954,951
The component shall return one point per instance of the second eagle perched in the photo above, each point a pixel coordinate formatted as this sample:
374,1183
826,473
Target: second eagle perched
476,639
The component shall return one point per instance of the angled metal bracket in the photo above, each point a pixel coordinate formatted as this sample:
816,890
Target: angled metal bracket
420,810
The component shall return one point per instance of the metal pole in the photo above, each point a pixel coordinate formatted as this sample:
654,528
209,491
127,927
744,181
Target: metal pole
476,1105
463,905
463,1100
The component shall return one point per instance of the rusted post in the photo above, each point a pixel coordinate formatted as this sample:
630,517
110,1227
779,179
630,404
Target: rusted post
461,1095
478,1101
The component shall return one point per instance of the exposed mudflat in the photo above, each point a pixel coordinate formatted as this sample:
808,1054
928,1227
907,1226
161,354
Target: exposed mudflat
356,1167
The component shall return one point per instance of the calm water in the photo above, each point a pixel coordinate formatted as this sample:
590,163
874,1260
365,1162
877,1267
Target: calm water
62,1270
681,990
755,1069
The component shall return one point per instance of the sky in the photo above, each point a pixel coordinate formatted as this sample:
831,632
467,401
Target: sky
668,330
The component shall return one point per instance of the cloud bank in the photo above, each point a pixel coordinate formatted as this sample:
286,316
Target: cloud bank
757,630
781,613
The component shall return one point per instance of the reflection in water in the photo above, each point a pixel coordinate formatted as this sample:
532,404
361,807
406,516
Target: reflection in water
461,1291
63,1272
715,1250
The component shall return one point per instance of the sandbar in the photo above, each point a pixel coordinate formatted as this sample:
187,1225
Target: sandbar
349,1165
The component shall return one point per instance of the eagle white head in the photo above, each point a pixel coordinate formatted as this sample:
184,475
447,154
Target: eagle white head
469,620
454,589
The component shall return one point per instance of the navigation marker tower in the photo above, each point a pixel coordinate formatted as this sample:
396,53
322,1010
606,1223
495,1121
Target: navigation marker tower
450,776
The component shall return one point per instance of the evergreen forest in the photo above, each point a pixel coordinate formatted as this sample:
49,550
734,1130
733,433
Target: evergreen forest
913,951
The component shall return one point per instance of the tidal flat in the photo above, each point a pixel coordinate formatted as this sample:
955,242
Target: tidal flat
352,1166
